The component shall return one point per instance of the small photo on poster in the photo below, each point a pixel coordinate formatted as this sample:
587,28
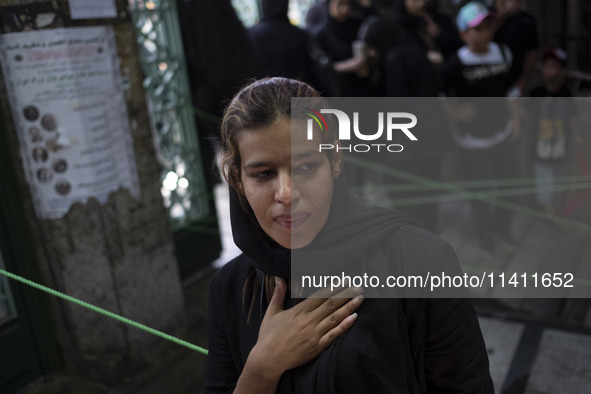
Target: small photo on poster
40,155
31,113
44,175
35,134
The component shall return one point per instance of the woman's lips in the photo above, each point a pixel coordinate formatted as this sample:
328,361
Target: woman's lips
292,221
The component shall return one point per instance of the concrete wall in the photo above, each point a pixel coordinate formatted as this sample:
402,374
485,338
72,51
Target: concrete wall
118,255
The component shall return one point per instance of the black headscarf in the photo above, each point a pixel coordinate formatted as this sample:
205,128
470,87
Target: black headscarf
351,230
274,10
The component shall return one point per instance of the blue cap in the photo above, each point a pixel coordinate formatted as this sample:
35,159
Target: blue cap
471,15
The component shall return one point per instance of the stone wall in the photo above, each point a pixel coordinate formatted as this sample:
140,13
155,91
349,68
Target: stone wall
118,255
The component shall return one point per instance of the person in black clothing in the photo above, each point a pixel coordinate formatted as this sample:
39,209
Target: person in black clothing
336,38
486,128
555,128
517,29
447,41
420,27
283,48
288,199
403,66
316,16
220,59
406,71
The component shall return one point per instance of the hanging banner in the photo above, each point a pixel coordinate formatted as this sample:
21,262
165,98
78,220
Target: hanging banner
69,111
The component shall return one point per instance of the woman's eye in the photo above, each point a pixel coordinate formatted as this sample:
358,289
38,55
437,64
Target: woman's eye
306,167
261,174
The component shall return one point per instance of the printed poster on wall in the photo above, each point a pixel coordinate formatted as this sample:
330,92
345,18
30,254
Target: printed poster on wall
69,111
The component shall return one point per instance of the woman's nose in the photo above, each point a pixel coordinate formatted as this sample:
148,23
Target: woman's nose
285,191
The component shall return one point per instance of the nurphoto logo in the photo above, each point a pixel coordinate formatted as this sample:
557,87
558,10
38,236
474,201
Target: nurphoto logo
392,125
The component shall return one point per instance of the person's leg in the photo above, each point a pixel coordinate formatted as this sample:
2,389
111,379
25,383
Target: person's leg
505,162
477,166
544,183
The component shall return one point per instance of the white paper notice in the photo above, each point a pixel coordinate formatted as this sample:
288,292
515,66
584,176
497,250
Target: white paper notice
90,9
69,111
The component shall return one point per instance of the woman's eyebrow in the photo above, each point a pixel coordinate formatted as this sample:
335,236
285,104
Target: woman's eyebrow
299,156
304,155
256,164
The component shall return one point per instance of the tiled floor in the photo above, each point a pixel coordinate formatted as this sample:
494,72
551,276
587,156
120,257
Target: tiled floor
501,338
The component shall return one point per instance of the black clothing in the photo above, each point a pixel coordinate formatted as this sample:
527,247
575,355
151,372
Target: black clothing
395,346
274,10
382,33
336,39
448,41
408,73
541,91
282,47
415,26
220,60
520,34
219,54
470,75
551,117
316,17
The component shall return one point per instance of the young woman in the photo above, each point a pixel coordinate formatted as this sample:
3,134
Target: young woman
286,197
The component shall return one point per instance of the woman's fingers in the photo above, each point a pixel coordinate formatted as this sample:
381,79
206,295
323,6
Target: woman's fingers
334,317
336,332
316,299
325,313
321,296
288,338
329,305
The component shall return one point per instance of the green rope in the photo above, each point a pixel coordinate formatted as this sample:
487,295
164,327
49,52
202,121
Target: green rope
408,187
104,312
489,197
437,198
466,194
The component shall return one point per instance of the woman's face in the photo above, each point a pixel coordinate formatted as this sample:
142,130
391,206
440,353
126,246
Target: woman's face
287,182
415,7
340,9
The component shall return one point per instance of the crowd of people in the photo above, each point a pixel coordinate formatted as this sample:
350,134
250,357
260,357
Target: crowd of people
363,48
408,48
